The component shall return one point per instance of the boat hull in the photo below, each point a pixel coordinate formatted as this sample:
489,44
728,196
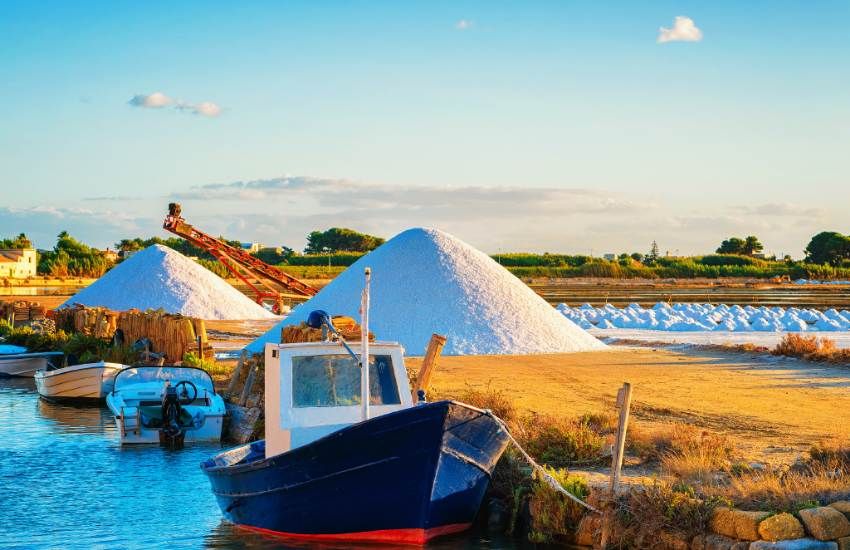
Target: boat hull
25,364
406,476
87,383
210,432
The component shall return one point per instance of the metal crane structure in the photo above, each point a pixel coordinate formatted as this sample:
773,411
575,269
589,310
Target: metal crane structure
270,284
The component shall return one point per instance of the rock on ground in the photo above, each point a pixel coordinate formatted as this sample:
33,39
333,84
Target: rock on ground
782,526
747,524
798,544
842,506
825,523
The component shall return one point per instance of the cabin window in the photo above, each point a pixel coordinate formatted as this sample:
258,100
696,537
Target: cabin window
334,381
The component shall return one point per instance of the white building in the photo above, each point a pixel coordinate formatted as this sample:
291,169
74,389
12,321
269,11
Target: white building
17,263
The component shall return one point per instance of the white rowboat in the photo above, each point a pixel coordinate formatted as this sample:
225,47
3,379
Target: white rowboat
25,364
86,382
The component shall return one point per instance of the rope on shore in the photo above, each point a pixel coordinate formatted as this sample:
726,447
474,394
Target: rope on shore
541,471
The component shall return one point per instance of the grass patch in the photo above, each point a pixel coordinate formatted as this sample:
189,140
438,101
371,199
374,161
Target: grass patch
552,513
645,511
212,367
560,442
811,348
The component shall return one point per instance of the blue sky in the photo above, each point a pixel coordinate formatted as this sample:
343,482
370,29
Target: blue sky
526,125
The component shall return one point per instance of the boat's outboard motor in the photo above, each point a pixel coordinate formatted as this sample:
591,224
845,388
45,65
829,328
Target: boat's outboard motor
171,433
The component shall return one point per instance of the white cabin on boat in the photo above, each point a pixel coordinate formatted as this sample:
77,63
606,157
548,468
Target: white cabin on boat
313,389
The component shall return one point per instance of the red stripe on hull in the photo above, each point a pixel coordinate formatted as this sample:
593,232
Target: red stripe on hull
405,536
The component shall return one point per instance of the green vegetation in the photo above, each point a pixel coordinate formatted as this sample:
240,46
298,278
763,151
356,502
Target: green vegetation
78,347
746,246
828,247
340,239
70,257
552,513
21,241
329,252
180,245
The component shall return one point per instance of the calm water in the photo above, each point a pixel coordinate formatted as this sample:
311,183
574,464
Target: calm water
66,482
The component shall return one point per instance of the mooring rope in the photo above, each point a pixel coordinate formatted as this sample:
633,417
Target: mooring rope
541,471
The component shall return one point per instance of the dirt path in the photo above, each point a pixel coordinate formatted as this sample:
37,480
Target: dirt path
773,408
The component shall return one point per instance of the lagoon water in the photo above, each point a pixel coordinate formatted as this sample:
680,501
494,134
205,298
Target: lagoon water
65,482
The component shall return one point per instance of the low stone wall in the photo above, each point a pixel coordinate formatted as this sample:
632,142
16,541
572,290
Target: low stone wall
824,527
819,528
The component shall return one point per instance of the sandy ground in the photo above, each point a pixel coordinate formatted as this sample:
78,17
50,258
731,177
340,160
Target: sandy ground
772,408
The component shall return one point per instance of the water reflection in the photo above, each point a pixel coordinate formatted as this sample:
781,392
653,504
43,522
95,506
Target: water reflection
76,419
67,482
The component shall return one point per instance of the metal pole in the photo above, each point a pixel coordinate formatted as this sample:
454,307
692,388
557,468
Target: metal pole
364,343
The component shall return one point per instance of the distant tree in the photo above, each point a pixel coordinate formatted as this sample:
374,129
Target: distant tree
653,255
732,245
21,241
271,256
340,239
828,247
71,257
752,245
637,256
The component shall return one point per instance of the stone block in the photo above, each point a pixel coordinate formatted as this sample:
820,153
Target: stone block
782,526
842,506
747,524
797,544
723,521
825,523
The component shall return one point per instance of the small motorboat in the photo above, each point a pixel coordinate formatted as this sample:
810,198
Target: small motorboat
15,361
348,456
166,405
89,382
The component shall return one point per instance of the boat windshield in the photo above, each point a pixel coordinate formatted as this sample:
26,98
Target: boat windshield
334,381
141,375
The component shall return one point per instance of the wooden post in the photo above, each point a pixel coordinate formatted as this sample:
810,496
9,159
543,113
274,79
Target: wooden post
237,372
429,363
624,403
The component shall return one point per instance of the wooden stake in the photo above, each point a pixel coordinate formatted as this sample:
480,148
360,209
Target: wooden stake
624,403
429,363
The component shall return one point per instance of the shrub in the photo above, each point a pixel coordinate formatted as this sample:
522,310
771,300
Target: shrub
811,348
561,442
645,511
553,513
784,491
209,365
496,401
683,450
728,259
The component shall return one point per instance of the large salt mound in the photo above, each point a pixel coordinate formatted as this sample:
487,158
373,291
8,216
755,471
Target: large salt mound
159,277
426,281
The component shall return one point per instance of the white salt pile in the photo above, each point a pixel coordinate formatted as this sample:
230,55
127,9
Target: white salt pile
159,277
426,281
682,317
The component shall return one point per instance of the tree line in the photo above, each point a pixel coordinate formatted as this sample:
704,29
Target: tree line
736,256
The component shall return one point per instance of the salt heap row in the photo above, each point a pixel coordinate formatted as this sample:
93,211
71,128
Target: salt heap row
682,317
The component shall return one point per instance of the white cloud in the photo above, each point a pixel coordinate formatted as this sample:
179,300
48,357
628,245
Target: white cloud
205,108
463,24
684,30
156,100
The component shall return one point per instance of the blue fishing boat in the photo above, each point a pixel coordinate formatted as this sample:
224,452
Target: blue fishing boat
348,456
